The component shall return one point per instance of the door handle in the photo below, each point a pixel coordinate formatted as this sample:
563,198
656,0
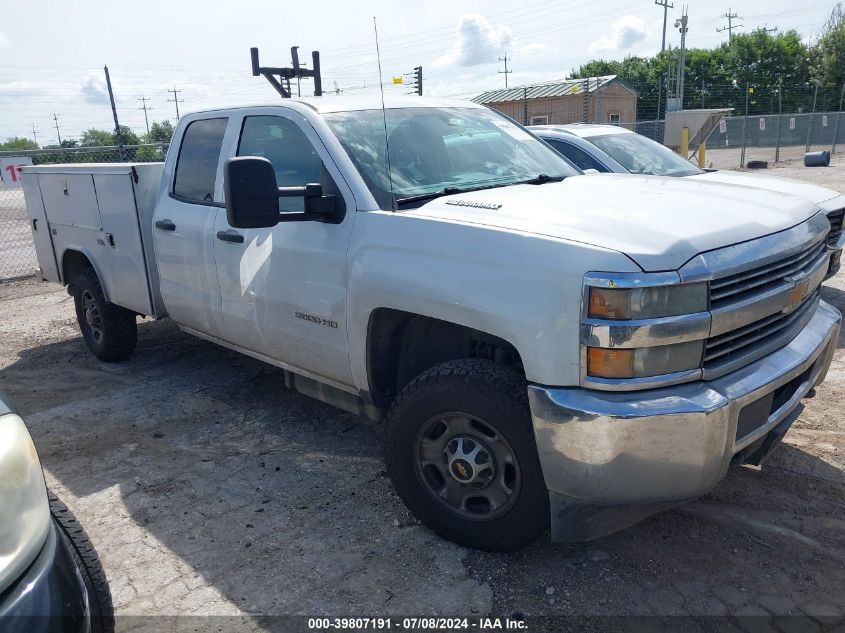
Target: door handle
165,225
230,236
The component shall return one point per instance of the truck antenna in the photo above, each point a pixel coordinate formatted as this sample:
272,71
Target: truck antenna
384,119
282,82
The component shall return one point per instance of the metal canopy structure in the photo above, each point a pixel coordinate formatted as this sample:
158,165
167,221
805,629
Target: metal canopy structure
701,124
558,88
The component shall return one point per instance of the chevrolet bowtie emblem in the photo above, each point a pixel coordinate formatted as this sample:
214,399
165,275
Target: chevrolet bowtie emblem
796,295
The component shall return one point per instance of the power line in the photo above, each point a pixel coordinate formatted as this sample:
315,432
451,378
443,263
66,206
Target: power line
666,6
505,72
175,100
730,27
34,134
144,107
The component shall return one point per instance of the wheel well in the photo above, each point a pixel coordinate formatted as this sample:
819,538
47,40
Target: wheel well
73,263
401,345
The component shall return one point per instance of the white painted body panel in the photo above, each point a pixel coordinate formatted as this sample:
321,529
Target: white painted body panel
825,197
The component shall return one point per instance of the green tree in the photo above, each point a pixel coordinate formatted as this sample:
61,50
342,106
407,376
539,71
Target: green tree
126,136
829,52
96,138
160,132
18,142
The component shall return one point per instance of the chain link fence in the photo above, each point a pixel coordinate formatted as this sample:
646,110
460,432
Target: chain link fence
17,253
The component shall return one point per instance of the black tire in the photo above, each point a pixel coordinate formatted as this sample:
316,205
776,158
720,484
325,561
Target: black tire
495,395
112,334
102,611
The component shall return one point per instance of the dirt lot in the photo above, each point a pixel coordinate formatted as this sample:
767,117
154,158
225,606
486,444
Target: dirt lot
210,489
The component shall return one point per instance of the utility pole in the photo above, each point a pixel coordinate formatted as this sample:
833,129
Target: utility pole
118,136
505,72
59,134
765,29
35,135
730,27
666,6
144,107
681,24
175,100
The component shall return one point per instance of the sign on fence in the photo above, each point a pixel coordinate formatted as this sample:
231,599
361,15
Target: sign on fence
792,123
824,120
762,123
723,126
10,167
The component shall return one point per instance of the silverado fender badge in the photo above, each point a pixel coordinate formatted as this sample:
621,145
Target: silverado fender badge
478,205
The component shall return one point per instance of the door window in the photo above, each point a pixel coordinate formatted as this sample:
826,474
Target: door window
284,144
196,167
578,156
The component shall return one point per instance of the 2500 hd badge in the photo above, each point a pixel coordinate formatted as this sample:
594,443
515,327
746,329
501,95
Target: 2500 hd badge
315,319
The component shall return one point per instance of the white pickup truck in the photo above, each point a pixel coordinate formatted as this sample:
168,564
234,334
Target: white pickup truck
545,347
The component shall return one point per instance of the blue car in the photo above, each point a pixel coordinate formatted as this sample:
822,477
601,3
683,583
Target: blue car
51,578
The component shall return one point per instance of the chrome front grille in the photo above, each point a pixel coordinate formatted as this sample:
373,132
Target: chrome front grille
739,286
835,218
739,347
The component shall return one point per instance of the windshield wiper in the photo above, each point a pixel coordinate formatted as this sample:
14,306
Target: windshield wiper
540,179
446,191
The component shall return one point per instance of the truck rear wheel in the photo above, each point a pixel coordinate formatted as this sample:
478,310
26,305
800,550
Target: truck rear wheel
110,331
461,452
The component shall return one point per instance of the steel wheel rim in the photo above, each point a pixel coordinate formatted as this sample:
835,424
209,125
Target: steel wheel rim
92,316
467,466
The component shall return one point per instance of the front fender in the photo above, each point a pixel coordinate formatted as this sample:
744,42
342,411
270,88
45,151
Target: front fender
525,289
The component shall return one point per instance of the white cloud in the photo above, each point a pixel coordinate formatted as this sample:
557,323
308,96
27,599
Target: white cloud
94,91
626,32
4,40
477,42
537,49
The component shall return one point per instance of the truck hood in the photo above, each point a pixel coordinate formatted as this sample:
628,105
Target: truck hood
660,223
816,193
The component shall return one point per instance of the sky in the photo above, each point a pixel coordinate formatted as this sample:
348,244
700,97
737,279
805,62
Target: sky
52,53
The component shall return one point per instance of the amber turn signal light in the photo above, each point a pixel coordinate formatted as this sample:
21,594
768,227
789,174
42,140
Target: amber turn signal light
610,303
610,363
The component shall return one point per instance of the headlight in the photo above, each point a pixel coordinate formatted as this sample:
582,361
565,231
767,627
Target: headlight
24,509
639,326
648,302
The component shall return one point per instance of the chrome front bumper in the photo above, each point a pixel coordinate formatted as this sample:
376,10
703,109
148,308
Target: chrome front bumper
611,458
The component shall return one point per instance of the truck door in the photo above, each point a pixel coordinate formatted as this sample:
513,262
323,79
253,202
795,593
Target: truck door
182,228
284,288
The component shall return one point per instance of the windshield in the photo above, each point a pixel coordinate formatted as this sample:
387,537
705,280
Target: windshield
641,155
441,150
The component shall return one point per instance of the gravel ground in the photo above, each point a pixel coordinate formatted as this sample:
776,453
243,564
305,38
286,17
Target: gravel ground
209,489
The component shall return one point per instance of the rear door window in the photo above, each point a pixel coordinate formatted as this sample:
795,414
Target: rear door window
576,155
199,154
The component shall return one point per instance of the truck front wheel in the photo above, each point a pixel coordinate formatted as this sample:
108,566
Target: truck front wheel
460,450
110,331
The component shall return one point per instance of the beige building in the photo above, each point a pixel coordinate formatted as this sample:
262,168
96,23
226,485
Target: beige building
594,100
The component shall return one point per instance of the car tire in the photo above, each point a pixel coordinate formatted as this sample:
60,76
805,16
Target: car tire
468,406
109,331
100,601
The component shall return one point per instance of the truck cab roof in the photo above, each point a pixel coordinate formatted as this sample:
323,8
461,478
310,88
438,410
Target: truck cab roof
351,103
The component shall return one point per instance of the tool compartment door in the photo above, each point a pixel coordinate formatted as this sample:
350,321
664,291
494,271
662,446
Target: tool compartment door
39,227
124,270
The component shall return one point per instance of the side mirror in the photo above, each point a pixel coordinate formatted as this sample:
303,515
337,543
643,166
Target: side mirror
252,196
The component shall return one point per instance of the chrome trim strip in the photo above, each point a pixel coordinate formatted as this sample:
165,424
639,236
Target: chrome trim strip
630,280
645,332
778,299
756,253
